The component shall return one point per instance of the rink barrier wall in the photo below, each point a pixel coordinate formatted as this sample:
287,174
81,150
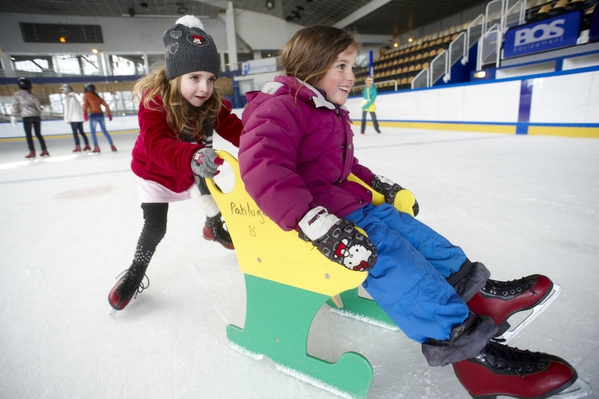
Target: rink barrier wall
562,103
58,128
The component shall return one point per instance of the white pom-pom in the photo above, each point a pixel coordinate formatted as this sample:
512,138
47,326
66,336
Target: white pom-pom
191,22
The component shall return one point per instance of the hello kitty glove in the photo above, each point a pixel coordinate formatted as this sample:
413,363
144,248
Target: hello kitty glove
338,239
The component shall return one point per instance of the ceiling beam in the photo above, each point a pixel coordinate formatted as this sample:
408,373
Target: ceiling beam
367,9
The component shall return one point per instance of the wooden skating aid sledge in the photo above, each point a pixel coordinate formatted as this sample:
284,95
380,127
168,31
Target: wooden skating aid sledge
287,282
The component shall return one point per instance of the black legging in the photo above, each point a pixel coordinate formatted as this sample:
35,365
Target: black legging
155,217
78,127
36,123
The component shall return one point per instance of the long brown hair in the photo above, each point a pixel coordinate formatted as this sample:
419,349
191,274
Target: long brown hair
311,51
182,117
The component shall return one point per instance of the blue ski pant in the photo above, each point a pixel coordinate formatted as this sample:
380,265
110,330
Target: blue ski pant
98,119
408,279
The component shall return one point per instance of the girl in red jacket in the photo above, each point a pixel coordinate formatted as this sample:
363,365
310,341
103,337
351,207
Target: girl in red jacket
178,111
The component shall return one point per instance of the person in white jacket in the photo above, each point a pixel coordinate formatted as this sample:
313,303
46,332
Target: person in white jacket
73,114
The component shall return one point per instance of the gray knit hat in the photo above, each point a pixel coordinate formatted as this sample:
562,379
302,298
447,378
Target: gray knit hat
189,49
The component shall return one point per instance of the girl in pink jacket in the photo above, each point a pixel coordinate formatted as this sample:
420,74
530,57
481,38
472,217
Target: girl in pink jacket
295,155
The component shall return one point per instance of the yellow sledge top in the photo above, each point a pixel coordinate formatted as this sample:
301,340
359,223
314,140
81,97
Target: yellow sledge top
264,250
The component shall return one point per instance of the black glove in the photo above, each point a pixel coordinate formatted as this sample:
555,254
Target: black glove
386,187
415,207
389,190
338,240
205,163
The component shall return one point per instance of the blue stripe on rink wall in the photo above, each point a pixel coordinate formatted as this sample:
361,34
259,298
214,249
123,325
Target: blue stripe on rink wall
526,86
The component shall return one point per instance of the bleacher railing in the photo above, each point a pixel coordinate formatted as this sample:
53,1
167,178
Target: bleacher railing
456,51
489,48
494,12
357,89
438,67
421,80
514,15
474,32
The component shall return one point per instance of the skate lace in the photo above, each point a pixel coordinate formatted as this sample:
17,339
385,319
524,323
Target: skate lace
506,288
504,358
218,229
132,284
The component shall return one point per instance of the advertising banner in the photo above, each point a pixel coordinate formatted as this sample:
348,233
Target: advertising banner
548,34
259,66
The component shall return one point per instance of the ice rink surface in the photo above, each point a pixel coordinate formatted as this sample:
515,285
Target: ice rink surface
69,225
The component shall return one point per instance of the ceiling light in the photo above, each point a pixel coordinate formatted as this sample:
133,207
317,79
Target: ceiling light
270,4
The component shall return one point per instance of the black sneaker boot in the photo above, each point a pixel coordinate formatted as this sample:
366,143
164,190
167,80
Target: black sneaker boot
128,286
214,230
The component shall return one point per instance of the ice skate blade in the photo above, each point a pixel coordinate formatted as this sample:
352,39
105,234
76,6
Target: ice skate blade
579,389
535,312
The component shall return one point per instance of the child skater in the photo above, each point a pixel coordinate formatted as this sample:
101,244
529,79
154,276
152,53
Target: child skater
73,115
92,111
369,105
295,155
177,113
27,105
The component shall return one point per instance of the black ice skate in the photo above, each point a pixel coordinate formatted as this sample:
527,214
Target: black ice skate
214,230
128,286
502,370
502,299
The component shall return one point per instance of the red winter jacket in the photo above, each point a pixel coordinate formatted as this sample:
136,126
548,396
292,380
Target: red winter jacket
296,152
159,157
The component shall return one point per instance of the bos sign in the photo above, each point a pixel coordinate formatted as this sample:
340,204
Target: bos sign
548,34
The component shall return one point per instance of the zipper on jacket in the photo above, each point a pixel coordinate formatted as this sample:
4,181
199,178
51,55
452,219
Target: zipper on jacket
338,114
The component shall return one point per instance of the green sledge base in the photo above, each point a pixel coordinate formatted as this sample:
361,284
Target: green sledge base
363,309
278,320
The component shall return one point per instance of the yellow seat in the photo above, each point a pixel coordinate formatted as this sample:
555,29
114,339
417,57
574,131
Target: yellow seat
265,248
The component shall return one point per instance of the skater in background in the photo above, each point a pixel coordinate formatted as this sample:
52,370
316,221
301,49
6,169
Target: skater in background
369,105
295,155
73,115
178,111
26,105
92,111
